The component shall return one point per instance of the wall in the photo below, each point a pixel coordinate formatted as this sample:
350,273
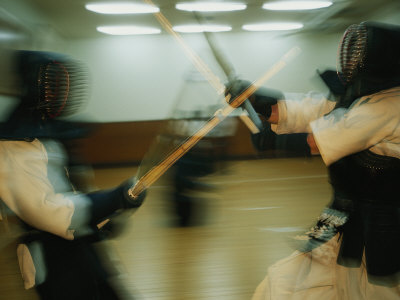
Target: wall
139,82
120,143
142,78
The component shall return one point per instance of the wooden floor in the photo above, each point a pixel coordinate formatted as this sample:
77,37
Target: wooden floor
248,220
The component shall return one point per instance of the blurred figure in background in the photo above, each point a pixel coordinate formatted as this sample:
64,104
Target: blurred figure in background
188,206
57,252
352,252
190,189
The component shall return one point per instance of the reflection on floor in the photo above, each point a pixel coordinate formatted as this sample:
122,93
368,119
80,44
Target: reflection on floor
249,217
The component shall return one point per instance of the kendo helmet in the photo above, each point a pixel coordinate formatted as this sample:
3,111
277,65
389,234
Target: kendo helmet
52,85
49,87
369,57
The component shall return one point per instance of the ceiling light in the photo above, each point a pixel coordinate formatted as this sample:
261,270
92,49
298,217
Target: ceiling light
121,8
296,5
201,28
6,35
127,30
272,26
210,6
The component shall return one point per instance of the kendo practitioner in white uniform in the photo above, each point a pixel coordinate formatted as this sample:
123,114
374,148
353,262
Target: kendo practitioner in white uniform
57,254
353,252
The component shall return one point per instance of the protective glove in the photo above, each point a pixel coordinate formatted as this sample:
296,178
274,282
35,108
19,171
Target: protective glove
264,140
262,99
281,145
105,203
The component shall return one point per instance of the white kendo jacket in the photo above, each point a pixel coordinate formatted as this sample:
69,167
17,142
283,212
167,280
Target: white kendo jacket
371,122
34,186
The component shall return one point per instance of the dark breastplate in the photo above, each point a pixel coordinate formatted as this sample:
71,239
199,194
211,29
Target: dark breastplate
367,177
366,186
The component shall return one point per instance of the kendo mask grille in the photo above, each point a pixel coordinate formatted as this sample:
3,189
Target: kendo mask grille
62,88
352,52
52,85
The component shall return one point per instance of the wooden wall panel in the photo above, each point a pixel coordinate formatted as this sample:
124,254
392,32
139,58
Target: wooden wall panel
127,142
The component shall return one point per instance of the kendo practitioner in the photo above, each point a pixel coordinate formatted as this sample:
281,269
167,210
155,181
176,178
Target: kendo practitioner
57,251
353,250
188,194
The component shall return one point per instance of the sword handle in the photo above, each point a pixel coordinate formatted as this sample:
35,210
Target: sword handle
253,114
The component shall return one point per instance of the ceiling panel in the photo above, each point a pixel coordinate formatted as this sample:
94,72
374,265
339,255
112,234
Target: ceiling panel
70,19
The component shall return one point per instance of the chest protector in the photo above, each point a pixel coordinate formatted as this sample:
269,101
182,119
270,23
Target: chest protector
366,187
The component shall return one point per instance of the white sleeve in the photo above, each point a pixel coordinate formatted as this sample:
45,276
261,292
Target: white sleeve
369,121
298,110
27,191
